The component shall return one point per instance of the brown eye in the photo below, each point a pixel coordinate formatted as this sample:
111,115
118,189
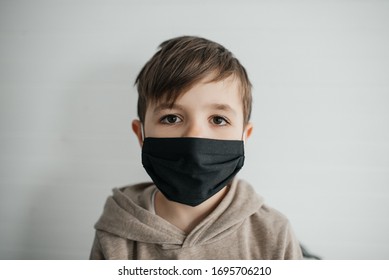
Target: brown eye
217,120
170,119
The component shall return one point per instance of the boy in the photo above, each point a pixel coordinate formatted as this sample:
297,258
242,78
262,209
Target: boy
194,108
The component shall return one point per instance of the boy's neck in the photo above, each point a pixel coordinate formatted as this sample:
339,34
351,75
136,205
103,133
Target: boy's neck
183,216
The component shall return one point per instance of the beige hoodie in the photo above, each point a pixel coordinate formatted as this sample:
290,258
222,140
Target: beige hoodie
241,227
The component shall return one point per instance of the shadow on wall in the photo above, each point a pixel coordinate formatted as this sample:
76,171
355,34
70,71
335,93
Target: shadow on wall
307,255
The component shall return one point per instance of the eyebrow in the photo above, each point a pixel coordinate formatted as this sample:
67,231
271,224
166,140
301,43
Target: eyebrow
167,106
223,107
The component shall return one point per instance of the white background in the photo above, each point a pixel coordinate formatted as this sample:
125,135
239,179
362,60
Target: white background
319,152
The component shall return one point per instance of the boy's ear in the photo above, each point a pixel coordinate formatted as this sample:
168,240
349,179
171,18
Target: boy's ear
247,131
137,128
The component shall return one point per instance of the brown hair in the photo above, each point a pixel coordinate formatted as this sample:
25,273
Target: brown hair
182,62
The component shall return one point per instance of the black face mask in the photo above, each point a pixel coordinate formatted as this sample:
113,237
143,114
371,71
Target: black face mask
191,170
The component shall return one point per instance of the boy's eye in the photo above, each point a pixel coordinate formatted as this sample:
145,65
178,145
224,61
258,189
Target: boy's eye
170,119
218,120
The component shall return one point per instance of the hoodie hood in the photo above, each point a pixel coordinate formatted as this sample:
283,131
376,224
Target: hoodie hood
126,215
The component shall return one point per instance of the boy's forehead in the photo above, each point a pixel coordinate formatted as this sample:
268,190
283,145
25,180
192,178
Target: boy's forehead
222,94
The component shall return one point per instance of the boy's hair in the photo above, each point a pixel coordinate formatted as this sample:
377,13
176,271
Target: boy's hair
182,62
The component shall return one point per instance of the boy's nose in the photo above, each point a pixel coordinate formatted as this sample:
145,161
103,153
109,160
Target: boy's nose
193,130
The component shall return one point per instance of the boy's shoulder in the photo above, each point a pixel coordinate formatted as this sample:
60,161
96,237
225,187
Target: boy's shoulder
246,195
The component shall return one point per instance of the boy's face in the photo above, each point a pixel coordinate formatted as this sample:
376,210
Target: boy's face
208,110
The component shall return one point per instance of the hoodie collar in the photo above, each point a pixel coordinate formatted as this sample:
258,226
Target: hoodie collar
126,215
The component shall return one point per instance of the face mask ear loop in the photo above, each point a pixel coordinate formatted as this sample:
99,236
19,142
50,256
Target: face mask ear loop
243,138
143,132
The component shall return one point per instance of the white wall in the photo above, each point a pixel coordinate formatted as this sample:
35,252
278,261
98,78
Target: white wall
320,149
